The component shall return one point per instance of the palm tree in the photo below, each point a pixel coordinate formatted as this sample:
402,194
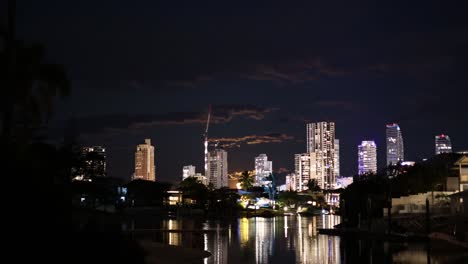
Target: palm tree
30,84
246,180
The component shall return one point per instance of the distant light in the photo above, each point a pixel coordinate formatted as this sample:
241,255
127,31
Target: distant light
83,199
407,163
285,208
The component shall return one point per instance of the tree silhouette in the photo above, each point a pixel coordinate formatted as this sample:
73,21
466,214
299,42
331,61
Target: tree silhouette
313,185
195,190
246,180
29,84
33,85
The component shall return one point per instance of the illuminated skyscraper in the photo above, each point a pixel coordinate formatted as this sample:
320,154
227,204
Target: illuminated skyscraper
305,170
263,169
443,144
395,147
144,162
367,157
217,168
321,141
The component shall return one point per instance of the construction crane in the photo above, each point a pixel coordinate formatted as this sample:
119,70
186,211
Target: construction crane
205,135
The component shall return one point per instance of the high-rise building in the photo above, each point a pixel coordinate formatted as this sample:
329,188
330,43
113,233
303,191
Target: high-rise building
263,169
367,157
443,144
94,163
291,182
144,162
395,147
305,170
217,168
337,158
321,141
188,171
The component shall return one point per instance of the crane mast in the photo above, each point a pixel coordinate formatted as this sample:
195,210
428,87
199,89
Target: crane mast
206,141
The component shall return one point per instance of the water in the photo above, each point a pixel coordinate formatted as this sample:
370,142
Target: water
284,239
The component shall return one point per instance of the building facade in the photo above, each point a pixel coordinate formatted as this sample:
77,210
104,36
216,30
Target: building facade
201,178
263,169
305,170
462,167
188,171
337,158
442,144
367,157
218,168
321,142
395,146
144,162
291,182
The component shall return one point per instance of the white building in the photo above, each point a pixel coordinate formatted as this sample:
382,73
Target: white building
305,170
443,144
321,141
217,168
201,178
263,169
188,171
367,157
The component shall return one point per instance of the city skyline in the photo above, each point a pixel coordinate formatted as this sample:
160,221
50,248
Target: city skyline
264,82
442,145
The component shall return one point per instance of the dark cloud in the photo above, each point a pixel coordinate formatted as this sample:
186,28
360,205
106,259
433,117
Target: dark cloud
220,114
283,170
232,142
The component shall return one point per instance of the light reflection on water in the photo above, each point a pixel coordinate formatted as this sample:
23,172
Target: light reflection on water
261,240
284,239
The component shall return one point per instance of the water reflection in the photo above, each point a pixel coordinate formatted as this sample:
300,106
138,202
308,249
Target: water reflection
288,239
291,238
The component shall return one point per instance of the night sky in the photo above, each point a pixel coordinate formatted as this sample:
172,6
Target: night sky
142,69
